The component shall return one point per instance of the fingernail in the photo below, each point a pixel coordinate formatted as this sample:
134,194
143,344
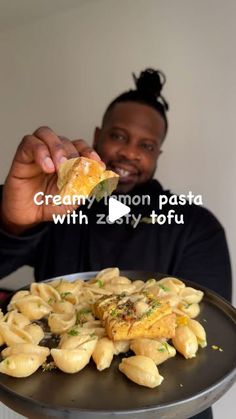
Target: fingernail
62,159
49,163
95,155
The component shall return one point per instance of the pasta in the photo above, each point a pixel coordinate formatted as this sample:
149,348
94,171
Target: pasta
185,341
32,306
22,364
18,319
13,334
158,351
142,370
27,348
103,353
101,318
60,322
74,360
35,331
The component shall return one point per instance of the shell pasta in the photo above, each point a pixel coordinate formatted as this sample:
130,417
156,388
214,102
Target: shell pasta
100,319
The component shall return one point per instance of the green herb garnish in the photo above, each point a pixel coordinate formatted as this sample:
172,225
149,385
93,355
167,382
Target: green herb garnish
100,283
161,349
155,304
64,294
164,288
164,347
114,313
81,313
147,313
51,300
73,332
48,366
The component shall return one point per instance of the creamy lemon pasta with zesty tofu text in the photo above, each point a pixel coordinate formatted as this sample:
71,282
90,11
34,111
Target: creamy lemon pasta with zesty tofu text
98,319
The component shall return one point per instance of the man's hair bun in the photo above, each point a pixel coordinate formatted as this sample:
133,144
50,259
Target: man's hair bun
150,83
148,91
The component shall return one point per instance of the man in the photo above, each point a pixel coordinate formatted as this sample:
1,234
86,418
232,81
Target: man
129,142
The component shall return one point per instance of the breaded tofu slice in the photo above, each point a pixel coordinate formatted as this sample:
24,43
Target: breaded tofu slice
134,316
83,176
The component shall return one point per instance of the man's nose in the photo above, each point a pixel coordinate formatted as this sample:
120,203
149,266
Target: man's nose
129,151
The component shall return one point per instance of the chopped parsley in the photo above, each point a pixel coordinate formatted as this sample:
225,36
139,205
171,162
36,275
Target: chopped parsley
80,315
155,304
51,300
164,347
48,366
114,313
147,313
73,332
164,288
100,283
65,294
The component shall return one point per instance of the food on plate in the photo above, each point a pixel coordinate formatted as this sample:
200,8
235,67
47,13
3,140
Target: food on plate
26,348
60,322
185,341
98,319
142,370
74,360
103,353
82,176
32,306
199,332
136,315
35,331
21,365
159,351
14,334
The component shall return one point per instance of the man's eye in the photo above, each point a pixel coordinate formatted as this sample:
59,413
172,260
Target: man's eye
148,147
116,136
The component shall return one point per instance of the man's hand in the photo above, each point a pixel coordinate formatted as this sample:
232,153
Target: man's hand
34,168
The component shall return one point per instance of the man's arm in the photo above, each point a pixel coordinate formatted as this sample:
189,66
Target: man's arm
34,169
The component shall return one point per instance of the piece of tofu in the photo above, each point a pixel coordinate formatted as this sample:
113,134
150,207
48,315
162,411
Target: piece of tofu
134,316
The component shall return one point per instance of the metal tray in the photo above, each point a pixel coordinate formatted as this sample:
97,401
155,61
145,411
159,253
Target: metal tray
189,386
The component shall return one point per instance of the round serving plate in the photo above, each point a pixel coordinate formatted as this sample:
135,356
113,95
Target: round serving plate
189,386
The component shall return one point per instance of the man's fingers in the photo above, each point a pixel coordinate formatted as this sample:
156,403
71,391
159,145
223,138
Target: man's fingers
86,151
31,149
52,141
71,150
48,150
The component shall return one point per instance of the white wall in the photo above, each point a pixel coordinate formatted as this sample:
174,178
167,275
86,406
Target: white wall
63,70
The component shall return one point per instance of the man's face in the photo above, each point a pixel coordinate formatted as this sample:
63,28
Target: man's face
129,142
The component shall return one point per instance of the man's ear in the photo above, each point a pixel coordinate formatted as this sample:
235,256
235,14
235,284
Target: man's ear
96,136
